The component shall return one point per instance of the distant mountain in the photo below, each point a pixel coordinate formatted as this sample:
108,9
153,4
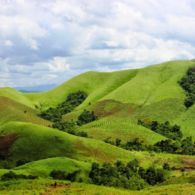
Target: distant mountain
37,88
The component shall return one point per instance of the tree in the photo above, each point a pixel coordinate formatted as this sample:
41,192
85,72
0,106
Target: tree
86,117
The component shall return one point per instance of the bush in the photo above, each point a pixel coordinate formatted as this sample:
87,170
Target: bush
166,129
188,83
71,102
130,176
11,175
57,174
86,117
62,175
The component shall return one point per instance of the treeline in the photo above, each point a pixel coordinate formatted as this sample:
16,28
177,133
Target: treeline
72,101
11,175
188,84
130,175
62,175
69,127
166,129
185,146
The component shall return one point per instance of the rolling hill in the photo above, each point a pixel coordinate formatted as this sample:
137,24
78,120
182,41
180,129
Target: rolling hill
30,145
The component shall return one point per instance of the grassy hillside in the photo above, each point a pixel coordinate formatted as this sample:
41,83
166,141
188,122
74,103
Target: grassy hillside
16,96
124,129
11,110
96,84
118,99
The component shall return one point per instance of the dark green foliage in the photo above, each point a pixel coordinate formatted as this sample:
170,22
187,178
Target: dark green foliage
135,144
69,127
167,145
55,114
62,175
153,176
187,146
184,146
130,176
64,126
58,174
118,142
166,166
11,175
71,102
188,84
86,117
21,162
170,131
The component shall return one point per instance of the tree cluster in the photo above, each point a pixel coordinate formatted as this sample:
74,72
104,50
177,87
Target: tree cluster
69,127
130,175
166,129
188,84
86,117
11,175
134,144
184,146
72,101
62,175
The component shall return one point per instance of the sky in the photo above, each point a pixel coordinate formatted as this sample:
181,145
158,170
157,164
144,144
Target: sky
45,42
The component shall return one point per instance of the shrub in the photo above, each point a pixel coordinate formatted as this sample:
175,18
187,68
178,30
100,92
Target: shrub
86,117
11,175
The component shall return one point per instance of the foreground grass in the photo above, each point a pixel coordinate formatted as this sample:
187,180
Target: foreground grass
46,187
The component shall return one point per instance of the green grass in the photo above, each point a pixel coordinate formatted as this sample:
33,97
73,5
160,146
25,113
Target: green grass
11,110
43,168
36,187
121,128
16,96
119,99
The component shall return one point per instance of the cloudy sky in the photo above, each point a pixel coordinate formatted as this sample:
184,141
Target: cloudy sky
45,42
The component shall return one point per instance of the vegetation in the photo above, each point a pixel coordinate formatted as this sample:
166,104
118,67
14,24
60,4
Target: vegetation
29,147
170,131
11,175
188,84
184,146
71,102
86,117
69,127
62,175
130,176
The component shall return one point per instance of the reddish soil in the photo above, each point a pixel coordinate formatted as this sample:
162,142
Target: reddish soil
6,141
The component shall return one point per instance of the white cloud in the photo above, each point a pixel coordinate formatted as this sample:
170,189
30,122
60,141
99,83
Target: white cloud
8,43
47,41
58,64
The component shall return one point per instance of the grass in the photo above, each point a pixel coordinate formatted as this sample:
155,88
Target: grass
122,128
11,110
43,186
119,99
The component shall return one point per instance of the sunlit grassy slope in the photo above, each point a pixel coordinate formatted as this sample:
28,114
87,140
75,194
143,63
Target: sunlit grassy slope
119,99
36,142
11,110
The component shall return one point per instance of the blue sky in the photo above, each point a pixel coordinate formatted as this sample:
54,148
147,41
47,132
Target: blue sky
47,42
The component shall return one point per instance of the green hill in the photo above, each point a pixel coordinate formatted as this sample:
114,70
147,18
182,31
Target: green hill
29,144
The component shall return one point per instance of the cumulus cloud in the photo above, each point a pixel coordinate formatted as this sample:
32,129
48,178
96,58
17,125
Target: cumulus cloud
47,42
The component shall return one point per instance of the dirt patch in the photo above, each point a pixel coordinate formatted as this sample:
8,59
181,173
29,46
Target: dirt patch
6,142
188,162
111,107
55,188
